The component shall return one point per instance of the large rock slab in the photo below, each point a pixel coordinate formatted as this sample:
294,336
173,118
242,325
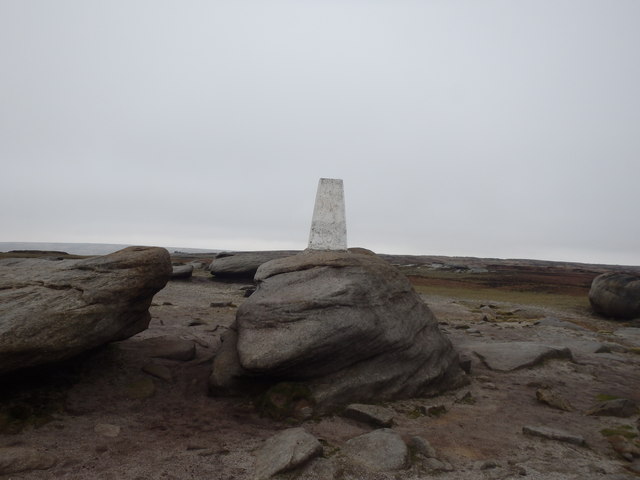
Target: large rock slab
53,310
348,325
616,295
507,356
243,264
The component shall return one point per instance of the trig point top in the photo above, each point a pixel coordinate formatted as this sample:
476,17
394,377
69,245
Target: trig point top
329,225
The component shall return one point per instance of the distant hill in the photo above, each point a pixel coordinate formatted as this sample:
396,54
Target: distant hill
85,248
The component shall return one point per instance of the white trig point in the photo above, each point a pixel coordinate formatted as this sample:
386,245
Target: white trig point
329,225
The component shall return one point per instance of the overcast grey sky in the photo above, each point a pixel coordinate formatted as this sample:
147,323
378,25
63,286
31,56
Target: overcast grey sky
482,128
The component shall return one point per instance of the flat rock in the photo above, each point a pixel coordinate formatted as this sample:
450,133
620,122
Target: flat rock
554,434
555,322
508,356
619,407
23,459
630,334
285,451
53,310
372,414
381,451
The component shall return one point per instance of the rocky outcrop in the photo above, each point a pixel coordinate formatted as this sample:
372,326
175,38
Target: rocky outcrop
242,264
52,310
349,326
616,295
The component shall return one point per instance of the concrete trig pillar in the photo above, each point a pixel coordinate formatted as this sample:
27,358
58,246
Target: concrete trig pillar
329,225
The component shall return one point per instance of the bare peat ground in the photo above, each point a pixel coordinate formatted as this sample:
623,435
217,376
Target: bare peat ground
121,413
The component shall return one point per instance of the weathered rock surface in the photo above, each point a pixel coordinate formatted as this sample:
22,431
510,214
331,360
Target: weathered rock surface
555,322
243,264
22,459
629,334
372,414
381,450
53,310
182,271
285,451
618,407
508,356
348,325
616,295
554,434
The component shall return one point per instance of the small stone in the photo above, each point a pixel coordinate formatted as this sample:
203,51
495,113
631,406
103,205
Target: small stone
490,386
371,414
551,398
285,451
635,467
553,434
435,465
422,447
619,407
158,371
467,399
107,430
436,410
465,363
23,459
